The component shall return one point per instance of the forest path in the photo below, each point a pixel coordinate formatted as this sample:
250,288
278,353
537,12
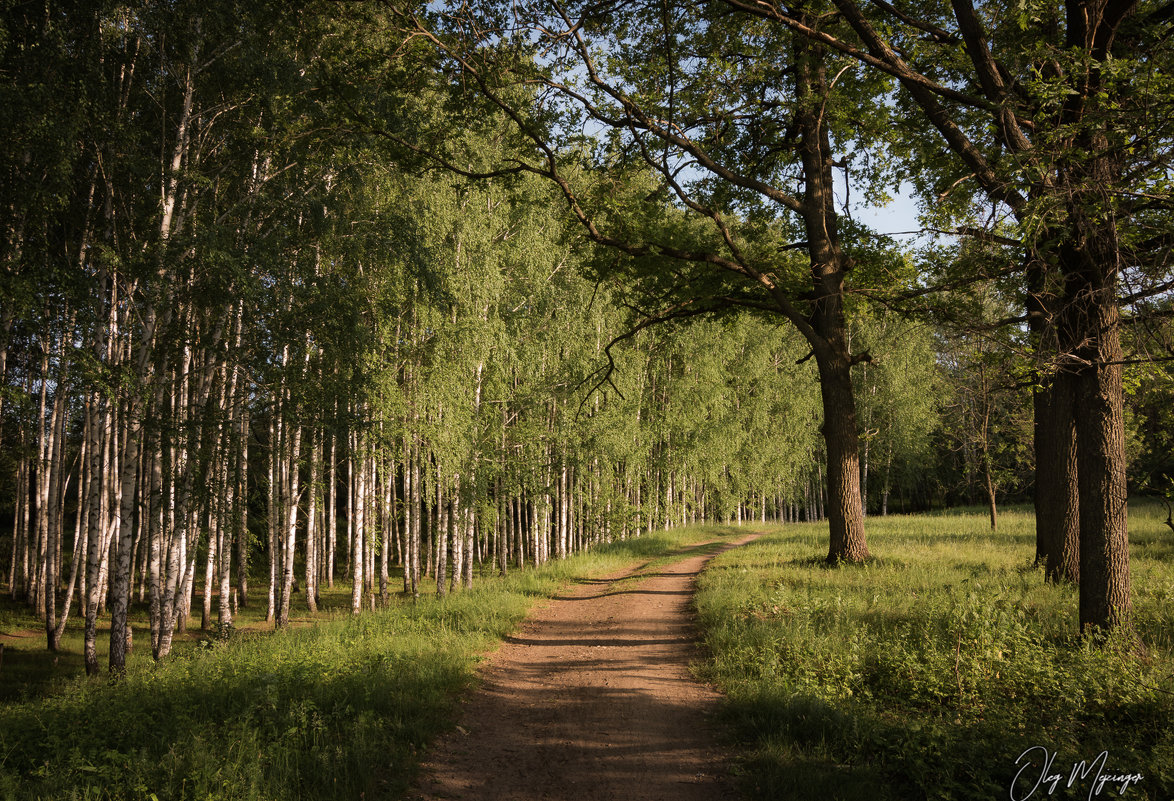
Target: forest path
592,700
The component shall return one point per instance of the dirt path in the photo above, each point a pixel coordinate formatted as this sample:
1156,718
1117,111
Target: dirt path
592,700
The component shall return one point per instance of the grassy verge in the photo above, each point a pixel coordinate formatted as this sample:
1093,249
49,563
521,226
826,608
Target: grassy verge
336,710
929,671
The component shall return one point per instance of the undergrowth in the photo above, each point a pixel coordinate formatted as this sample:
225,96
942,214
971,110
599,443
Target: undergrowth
339,710
927,672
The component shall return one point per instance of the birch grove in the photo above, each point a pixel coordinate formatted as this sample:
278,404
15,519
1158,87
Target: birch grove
250,358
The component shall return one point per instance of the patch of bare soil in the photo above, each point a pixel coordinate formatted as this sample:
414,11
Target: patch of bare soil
592,700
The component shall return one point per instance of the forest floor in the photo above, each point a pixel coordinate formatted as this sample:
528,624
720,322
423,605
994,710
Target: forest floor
591,700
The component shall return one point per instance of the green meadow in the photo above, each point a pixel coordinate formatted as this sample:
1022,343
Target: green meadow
928,671
924,673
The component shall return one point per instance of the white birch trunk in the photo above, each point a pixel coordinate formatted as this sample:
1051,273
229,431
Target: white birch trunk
289,542
312,555
357,510
331,512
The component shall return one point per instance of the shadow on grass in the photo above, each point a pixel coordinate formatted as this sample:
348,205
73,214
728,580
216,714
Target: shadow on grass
317,724
798,650
340,710
810,750
36,671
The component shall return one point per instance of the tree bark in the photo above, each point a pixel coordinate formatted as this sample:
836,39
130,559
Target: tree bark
442,539
1057,519
1105,583
387,530
358,475
242,500
312,554
830,341
331,511
290,529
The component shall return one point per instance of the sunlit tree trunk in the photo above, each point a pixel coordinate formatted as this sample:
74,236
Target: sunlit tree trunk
409,513
242,511
331,511
358,477
227,501
289,529
417,513
312,552
444,512
274,511
387,530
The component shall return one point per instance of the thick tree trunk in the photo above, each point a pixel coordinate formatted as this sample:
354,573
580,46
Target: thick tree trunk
1057,519
1105,600
184,608
829,337
38,541
1105,583
844,512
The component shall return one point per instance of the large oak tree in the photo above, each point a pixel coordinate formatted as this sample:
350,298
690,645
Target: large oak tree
1060,115
706,151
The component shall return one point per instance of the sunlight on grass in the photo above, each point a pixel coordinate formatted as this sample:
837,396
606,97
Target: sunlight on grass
926,672
341,709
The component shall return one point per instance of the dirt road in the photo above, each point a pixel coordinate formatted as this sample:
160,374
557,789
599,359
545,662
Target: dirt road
592,700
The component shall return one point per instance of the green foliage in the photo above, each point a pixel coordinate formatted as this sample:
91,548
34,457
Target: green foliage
899,400
1150,415
927,673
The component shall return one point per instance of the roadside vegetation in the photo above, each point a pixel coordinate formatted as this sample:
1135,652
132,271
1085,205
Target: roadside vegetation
928,672
339,710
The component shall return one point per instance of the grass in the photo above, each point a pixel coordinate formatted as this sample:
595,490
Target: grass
340,709
30,670
928,671
922,674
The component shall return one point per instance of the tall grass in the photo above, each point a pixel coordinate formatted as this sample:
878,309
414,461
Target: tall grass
340,709
928,671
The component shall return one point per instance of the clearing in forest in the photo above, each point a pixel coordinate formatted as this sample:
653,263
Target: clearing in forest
592,699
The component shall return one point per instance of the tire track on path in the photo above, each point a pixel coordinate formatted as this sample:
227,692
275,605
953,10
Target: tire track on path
592,700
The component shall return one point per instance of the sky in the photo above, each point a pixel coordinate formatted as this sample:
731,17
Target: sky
899,216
